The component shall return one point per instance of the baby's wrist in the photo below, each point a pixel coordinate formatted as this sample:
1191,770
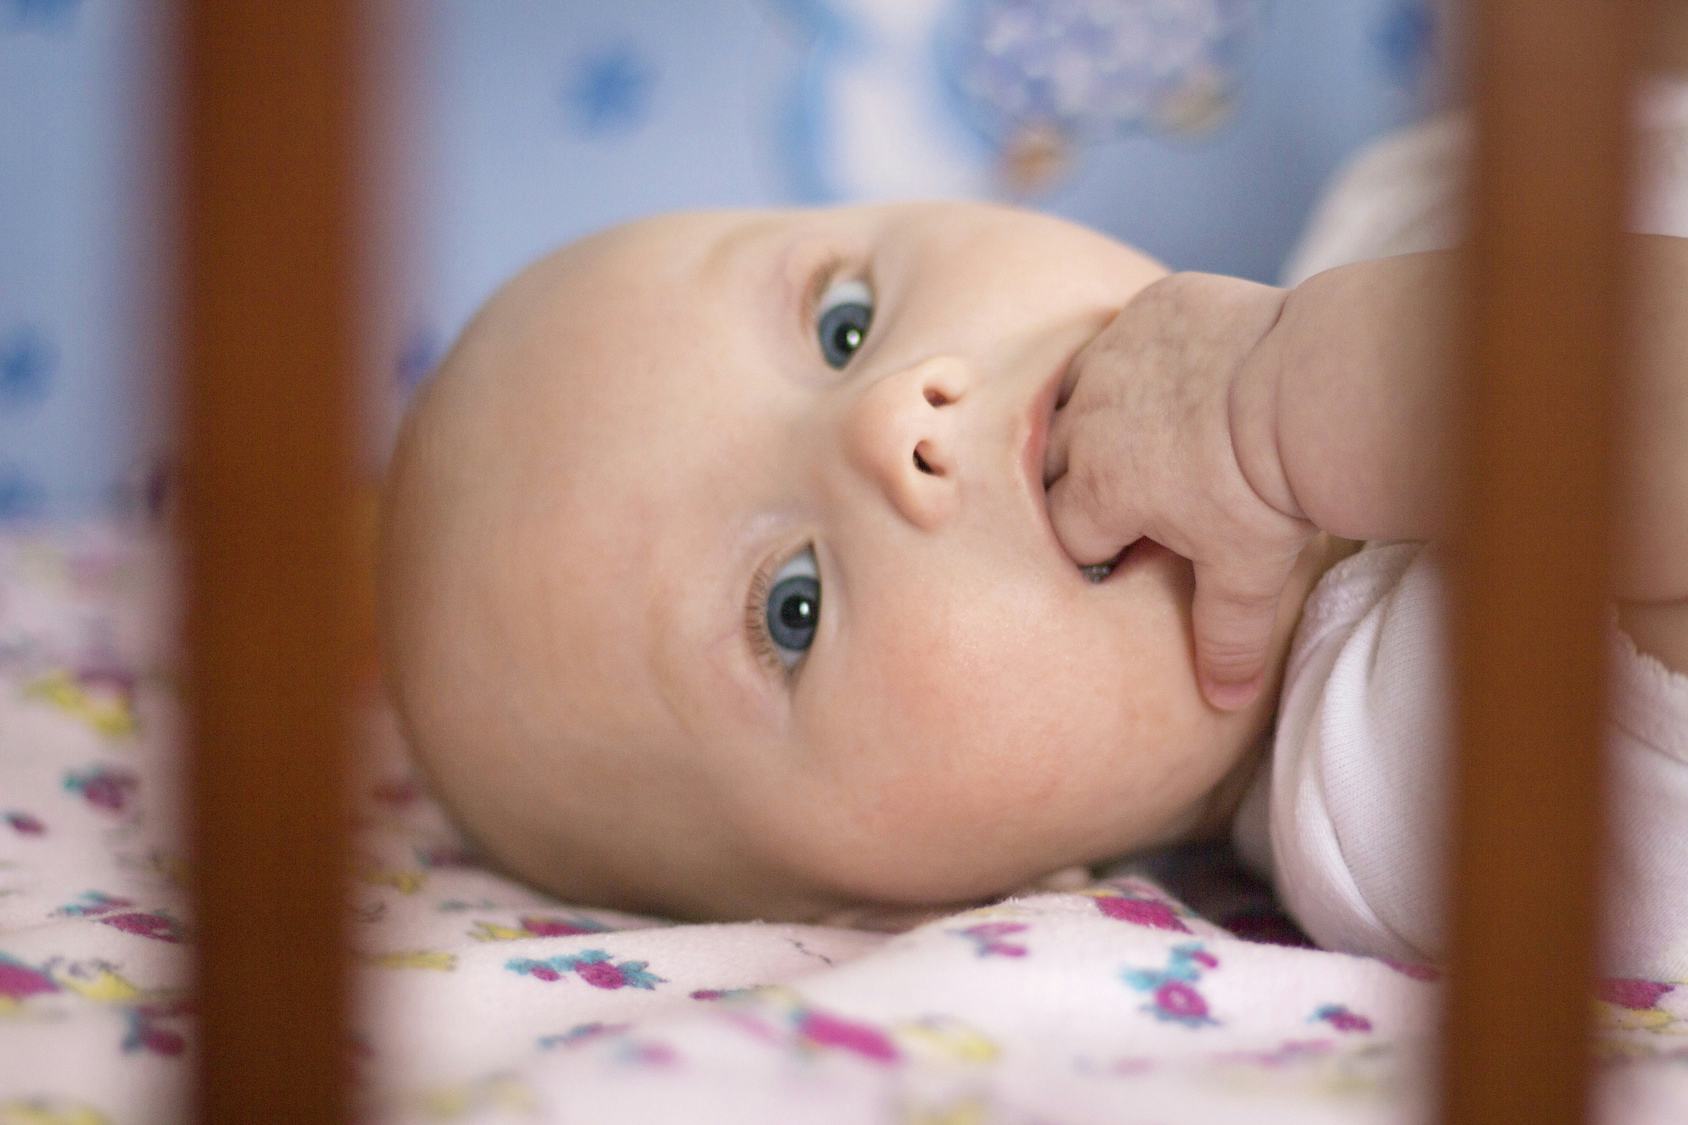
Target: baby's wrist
1252,405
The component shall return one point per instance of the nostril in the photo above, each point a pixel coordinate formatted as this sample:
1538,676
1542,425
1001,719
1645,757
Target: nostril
921,463
936,397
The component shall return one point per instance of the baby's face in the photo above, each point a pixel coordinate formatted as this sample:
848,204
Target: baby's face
733,588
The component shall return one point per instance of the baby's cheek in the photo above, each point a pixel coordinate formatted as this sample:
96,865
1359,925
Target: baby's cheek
959,755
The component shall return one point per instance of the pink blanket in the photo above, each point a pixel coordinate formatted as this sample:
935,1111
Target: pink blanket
1167,990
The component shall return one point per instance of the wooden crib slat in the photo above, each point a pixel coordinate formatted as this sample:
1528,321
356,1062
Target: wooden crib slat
268,433
1545,353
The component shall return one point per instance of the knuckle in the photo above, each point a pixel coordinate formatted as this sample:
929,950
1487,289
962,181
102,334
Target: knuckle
1232,658
1242,597
1230,648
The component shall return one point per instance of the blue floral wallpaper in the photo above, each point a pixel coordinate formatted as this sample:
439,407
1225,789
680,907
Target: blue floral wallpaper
1198,129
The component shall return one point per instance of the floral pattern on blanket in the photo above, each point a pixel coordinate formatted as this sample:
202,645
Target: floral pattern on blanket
1170,989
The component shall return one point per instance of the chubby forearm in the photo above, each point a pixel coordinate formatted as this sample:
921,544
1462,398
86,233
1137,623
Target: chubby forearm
1347,415
1343,410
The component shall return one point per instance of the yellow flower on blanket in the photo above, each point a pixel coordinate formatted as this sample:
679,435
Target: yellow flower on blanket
41,1111
1642,1005
96,980
109,712
405,882
502,1092
966,1110
438,961
945,1038
492,931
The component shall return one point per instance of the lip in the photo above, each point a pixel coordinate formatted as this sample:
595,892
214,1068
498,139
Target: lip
1039,414
1137,554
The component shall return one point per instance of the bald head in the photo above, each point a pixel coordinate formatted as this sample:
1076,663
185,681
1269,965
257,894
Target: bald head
523,687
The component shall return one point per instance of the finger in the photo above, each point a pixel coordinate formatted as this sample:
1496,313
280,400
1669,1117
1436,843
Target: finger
1089,520
1055,451
1236,608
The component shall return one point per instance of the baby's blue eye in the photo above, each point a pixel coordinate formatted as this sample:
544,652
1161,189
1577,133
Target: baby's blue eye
842,319
793,612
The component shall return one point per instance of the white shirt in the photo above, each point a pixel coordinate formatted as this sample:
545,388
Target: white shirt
1347,816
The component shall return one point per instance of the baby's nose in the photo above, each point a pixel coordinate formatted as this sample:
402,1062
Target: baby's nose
901,434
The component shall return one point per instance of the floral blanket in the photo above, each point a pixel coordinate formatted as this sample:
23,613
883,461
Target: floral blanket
1167,990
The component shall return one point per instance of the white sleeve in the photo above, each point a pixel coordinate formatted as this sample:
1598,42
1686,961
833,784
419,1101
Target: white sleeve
1349,818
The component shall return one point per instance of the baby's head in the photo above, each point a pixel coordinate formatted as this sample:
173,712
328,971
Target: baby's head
717,577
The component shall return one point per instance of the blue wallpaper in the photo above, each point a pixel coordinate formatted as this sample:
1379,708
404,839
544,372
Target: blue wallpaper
1199,129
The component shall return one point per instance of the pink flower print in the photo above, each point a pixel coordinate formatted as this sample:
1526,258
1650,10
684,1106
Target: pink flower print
593,966
104,787
1636,995
1141,912
24,824
159,926
986,938
1172,991
538,926
825,1030
1341,1018
1177,1000
601,974
145,1035
93,903
19,981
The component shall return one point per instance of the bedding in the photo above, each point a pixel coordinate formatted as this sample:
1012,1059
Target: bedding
1167,989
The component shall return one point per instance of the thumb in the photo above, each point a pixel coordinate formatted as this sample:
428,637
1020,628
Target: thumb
1091,527
1235,609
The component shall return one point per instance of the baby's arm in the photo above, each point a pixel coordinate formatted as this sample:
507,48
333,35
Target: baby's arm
1358,376
1231,422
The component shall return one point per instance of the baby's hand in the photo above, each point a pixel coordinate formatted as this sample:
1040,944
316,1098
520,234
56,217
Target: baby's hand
1146,445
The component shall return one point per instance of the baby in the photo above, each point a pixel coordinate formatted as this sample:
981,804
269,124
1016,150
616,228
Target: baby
777,564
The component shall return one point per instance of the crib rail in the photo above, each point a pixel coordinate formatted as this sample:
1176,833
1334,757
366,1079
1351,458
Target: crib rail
1544,353
268,418
268,421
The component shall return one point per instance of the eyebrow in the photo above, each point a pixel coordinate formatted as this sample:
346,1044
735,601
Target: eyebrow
775,290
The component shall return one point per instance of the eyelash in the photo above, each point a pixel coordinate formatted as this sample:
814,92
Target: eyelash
756,623
824,275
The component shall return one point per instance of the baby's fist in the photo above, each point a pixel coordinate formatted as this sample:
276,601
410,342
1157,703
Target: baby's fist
1164,432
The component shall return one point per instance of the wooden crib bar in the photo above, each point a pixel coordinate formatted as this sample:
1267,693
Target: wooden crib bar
268,423
1545,352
